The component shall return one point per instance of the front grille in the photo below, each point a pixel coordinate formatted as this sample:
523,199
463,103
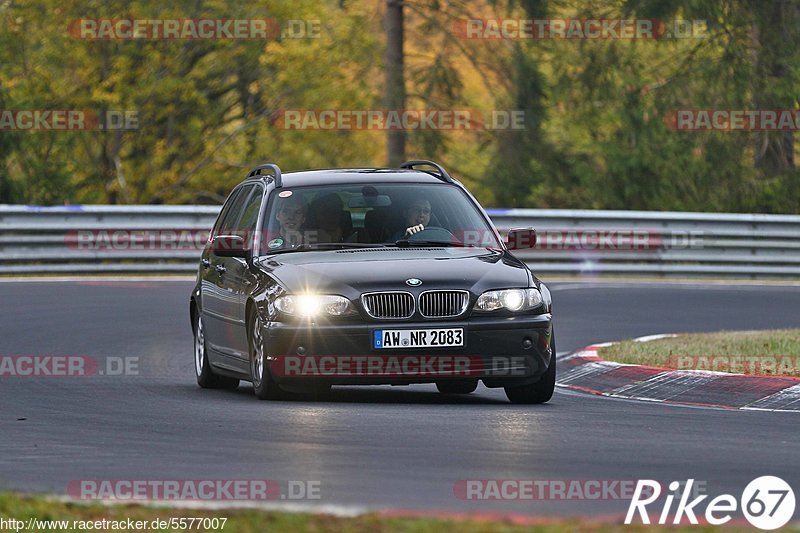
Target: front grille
442,304
391,305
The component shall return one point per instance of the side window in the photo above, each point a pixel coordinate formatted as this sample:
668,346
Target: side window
231,219
251,209
225,212
249,219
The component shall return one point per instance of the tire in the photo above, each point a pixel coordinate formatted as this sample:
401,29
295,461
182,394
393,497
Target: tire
206,378
542,390
457,387
264,385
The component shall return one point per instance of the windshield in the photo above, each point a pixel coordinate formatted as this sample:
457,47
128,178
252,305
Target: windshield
402,214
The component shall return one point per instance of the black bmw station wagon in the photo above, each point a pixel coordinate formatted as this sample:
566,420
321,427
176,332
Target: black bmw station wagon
367,276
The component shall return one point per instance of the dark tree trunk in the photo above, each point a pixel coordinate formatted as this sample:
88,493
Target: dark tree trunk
774,36
395,91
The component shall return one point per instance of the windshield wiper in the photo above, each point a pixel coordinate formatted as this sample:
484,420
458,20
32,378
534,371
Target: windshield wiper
455,244
327,246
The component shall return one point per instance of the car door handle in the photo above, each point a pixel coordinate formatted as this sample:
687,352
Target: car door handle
205,263
220,269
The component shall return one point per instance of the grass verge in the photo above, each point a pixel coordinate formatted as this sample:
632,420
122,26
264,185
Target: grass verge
764,353
21,507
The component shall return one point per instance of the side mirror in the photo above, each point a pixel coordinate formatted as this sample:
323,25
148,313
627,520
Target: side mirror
521,239
229,246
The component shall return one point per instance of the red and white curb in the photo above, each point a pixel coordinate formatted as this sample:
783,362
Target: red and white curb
585,371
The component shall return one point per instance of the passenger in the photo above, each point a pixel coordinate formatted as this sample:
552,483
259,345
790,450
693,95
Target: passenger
327,212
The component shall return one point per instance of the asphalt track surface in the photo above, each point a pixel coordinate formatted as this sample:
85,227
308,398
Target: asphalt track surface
371,447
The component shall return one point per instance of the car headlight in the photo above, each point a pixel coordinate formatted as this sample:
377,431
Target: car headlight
310,305
510,299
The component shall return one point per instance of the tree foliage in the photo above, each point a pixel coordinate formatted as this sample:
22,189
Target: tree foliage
597,111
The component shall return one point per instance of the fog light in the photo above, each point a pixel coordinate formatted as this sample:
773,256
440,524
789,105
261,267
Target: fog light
527,343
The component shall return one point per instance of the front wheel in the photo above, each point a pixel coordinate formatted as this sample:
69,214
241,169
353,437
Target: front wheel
264,386
206,378
542,390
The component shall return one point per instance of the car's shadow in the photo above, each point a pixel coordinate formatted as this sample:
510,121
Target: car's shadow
407,395
373,394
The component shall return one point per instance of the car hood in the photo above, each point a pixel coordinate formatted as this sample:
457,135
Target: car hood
356,271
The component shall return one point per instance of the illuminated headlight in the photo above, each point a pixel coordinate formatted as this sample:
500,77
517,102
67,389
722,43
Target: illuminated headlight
511,299
310,305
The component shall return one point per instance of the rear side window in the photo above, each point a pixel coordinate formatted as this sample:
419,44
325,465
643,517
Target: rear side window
246,226
225,211
230,218
249,217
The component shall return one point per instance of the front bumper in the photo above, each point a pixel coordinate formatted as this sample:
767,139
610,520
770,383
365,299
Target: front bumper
501,351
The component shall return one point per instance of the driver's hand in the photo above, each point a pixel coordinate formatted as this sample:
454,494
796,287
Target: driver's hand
414,229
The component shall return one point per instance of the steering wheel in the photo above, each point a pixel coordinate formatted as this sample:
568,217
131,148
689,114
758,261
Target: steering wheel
433,233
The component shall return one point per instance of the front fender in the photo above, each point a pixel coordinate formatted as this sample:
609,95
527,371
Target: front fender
546,297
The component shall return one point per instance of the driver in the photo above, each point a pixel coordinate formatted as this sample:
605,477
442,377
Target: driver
417,216
290,217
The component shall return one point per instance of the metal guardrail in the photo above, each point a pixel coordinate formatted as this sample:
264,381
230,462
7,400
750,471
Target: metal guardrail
47,240
670,243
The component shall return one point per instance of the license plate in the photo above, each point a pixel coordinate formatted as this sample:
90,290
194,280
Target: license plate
418,338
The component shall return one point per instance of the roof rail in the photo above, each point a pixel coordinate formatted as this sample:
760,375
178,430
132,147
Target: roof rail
443,175
276,171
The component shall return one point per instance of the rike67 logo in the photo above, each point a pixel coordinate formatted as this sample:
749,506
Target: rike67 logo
767,502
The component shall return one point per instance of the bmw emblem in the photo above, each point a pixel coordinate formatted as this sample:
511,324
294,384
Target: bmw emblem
414,282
